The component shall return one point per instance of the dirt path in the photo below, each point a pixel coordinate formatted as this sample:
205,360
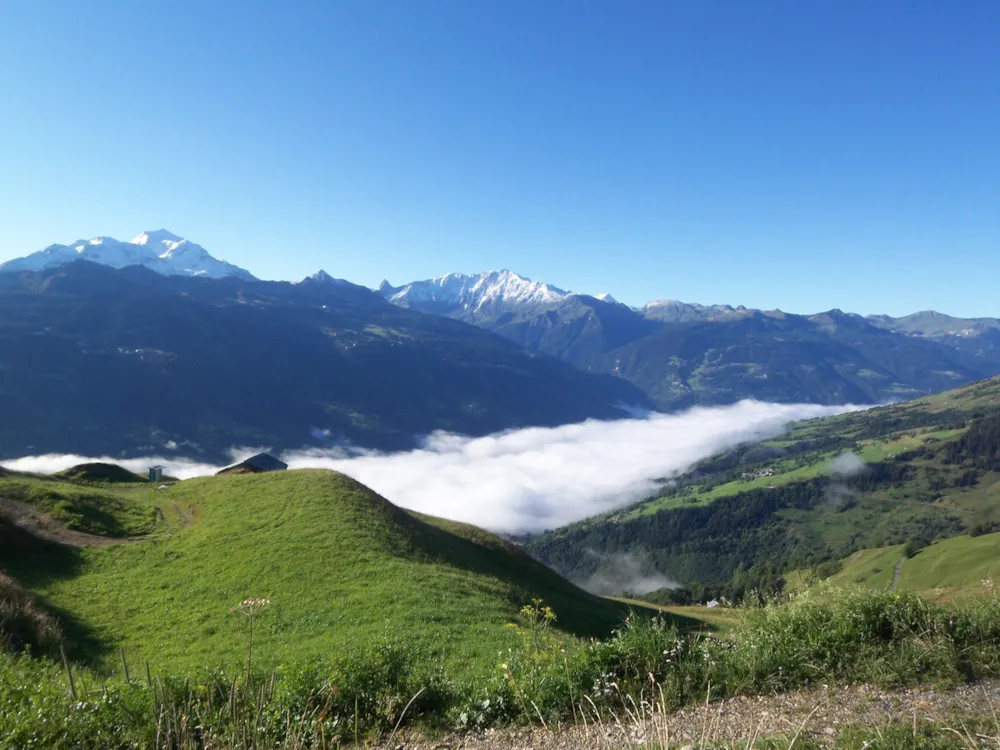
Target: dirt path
44,526
183,514
820,714
895,574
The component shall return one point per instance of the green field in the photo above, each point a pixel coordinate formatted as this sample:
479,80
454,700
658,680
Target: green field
951,568
869,568
340,566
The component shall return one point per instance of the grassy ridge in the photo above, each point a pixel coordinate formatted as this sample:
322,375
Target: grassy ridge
86,507
339,564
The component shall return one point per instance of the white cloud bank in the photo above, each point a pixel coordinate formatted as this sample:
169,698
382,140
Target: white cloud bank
50,463
530,479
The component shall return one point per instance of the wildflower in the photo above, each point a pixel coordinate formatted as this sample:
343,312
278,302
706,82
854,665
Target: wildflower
251,606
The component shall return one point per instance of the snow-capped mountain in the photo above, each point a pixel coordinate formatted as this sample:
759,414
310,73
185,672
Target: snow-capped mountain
682,353
491,292
160,251
934,325
674,311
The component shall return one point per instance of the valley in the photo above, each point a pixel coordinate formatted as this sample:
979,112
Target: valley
272,595
918,472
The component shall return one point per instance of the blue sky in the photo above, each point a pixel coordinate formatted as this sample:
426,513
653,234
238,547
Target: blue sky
799,155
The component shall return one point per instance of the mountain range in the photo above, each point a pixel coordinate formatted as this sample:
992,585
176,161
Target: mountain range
682,354
401,369
98,360
159,250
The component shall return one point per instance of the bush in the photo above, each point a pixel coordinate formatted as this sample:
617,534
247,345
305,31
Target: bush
827,568
913,546
981,528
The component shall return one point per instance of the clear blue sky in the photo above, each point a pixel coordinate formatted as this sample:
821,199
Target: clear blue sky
800,155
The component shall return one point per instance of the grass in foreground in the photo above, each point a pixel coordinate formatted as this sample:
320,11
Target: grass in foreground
839,638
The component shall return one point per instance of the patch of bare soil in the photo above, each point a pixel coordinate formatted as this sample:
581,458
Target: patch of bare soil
184,515
738,722
44,526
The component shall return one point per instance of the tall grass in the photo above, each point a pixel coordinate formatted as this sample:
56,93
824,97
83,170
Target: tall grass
23,623
640,673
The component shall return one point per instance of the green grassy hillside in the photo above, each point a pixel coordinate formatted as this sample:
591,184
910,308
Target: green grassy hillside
948,569
339,564
918,471
101,473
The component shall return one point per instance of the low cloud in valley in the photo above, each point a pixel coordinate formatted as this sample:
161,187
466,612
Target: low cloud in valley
524,480
625,573
848,464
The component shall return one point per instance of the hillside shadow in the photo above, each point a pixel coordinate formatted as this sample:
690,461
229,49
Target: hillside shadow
35,562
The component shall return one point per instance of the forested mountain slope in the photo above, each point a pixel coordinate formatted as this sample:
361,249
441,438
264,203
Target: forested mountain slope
915,472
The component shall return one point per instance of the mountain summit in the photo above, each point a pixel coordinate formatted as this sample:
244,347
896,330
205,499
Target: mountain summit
681,353
158,250
488,292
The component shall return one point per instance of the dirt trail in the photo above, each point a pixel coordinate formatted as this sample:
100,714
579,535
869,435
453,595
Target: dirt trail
44,526
183,514
895,574
821,715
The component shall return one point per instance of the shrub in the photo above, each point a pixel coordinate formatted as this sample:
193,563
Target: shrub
913,546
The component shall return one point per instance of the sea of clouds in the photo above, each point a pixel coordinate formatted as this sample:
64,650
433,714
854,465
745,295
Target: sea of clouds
523,480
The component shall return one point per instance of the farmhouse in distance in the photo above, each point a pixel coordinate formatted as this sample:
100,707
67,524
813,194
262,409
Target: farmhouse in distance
258,464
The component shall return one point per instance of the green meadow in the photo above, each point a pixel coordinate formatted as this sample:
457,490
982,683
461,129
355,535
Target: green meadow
339,565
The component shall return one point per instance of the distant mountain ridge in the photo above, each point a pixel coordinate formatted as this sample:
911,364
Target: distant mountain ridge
159,250
104,361
483,293
677,353
683,353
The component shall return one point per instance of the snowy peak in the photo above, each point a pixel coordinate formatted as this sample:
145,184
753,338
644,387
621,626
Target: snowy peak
489,291
675,311
606,297
156,238
159,250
